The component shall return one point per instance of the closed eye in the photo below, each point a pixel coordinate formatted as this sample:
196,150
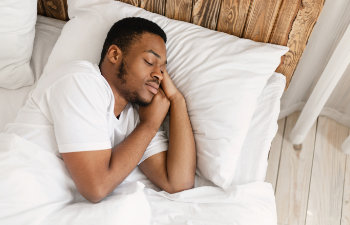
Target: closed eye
148,63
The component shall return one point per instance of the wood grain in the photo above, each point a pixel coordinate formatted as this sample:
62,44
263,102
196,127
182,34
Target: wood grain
275,154
326,188
299,34
233,14
179,10
345,220
294,174
276,21
56,9
156,6
41,10
283,25
206,13
261,19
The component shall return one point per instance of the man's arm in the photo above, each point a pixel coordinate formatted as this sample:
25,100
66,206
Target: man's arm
97,173
174,170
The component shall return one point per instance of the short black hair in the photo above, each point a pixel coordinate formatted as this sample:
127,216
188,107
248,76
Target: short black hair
126,30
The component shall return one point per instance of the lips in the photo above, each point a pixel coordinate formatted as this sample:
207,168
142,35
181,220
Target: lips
152,87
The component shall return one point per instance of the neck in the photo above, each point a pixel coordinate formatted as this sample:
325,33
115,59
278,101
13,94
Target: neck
119,101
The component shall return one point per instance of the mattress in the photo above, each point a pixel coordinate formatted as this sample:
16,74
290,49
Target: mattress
205,204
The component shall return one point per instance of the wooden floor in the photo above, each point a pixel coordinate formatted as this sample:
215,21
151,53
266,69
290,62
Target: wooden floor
312,185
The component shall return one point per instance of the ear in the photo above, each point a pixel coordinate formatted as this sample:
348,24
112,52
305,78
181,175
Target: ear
114,54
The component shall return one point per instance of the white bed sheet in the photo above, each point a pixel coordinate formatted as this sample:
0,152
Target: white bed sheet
251,203
36,189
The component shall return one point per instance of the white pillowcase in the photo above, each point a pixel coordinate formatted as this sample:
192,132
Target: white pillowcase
252,163
221,76
17,30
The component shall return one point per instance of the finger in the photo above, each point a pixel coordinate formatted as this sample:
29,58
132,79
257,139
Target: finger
161,91
166,77
166,73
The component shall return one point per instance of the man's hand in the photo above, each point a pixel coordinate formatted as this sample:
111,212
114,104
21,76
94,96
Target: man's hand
169,87
154,114
174,170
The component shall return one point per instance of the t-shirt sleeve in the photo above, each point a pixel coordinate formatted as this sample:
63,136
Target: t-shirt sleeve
78,106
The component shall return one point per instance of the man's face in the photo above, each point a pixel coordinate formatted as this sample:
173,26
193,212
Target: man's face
141,69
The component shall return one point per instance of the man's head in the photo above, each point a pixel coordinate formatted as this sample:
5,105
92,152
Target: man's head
133,59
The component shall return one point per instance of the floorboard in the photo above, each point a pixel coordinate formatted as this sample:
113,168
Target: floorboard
327,179
293,178
345,220
312,185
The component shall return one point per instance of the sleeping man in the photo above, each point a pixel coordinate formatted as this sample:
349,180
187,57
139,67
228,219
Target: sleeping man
104,120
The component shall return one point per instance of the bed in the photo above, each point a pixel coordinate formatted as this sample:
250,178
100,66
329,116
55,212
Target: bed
247,200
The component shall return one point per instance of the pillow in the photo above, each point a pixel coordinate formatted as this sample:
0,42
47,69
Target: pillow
221,76
252,163
17,30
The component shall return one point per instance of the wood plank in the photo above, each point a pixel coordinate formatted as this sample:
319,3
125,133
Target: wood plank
156,6
327,179
275,154
179,10
41,10
233,14
131,2
205,13
56,9
345,220
299,35
283,25
293,179
261,19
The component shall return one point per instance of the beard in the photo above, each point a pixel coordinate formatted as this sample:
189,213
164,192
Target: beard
131,96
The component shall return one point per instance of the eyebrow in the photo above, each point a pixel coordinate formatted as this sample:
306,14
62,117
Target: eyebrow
156,54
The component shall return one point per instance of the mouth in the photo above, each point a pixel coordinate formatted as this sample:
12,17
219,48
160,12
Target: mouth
152,87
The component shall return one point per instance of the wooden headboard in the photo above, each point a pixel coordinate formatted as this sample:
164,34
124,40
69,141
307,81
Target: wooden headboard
284,22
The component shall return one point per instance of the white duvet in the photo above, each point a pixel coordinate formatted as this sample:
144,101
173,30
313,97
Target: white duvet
35,188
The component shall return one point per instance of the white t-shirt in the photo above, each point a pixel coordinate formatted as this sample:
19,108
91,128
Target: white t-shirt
72,110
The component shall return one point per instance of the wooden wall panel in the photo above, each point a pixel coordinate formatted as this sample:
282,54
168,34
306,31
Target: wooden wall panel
41,10
299,35
179,10
284,22
56,9
261,18
156,6
233,14
286,16
206,13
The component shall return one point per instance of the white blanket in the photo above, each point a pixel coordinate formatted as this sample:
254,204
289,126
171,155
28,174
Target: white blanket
35,188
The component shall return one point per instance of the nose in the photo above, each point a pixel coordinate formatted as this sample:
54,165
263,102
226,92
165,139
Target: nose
157,74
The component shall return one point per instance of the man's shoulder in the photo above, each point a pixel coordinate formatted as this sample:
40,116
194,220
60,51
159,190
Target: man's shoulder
78,66
74,69
79,72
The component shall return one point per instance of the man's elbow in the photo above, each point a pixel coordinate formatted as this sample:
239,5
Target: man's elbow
94,194
180,187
